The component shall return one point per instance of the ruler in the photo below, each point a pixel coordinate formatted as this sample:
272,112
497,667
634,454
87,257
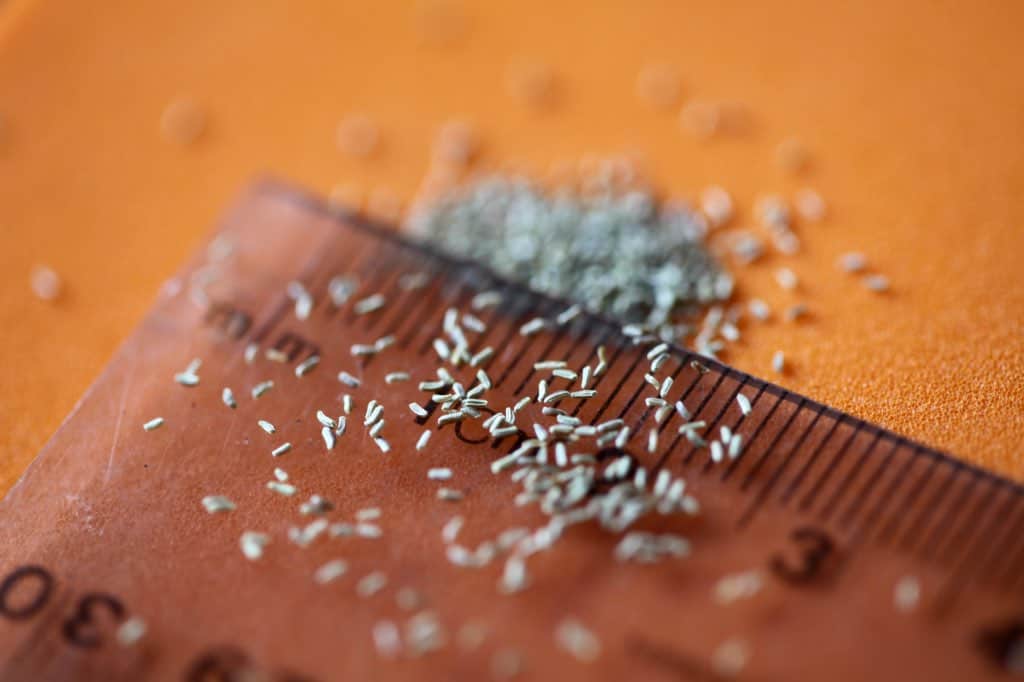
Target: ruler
875,557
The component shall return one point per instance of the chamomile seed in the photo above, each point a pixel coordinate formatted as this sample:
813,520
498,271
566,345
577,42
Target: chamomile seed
744,403
395,377
281,449
329,438
228,398
778,362
369,304
307,365
261,388
153,424
253,543
214,504
330,571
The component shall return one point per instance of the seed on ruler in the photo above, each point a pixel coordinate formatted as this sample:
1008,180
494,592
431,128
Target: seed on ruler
906,594
153,424
450,494
131,631
533,326
214,504
307,365
730,657
744,403
348,380
275,355
261,388
281,449
506,664
266,426
579,641
371,584
395,377
369,304
253,543
282,488
228,398
330,571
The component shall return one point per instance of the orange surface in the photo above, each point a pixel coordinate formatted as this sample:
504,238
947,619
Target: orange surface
913,113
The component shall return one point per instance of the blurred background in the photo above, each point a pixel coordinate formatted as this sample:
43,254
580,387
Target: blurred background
127,127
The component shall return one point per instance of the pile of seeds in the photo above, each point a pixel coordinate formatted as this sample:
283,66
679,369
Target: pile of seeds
612,248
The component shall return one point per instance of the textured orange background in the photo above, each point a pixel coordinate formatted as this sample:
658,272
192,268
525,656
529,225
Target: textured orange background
913,113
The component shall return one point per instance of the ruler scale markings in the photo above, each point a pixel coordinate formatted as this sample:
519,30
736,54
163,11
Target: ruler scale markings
950,593
609,398
735,464
834,465
611,366
520,309
713,426
430,326
992,540
919,525
854,508
963,520
677,438
527,343
1005,557
543,355
768,451
909,498
762,494
831,463
899,476
698,413
734,426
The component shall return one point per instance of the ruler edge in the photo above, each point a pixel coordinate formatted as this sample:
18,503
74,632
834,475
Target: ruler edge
271,185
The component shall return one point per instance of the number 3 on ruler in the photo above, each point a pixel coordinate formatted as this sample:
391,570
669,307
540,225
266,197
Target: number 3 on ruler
815,548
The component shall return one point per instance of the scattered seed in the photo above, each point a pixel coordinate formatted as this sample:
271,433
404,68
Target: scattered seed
877,283
809,204
131,631
266,426
759,309
852,262
45,283
450,494
348,380
786,278
252,544
283,488
281,449
369,304
154,423
439,474
371,584
261,388
385,636
228,398
730,657
330,571
382,444
217,503
576,639
778,362
395,377
307,366
182,121
533,326
744,403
